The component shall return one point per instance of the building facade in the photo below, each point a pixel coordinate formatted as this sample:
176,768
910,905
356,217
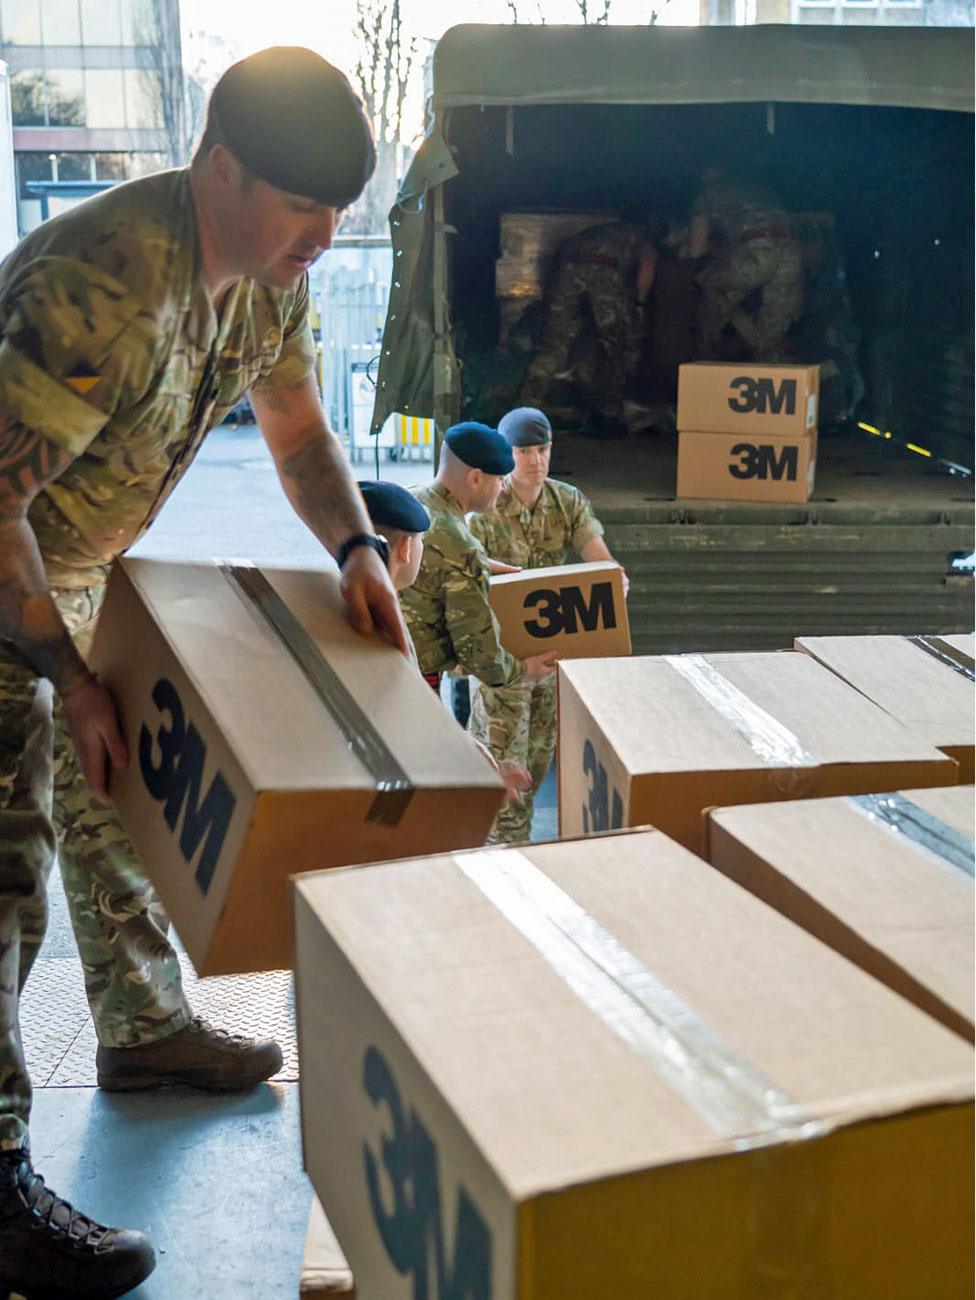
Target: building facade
97,92
890,13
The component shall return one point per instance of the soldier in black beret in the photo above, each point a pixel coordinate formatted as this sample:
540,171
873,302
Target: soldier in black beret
401,521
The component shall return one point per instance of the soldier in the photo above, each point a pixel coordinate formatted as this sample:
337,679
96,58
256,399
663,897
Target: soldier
447,609
593,330
130,326
535,522
751,246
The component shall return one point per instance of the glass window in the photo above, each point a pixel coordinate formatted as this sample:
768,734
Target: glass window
141,164
141,21
101,22
28,97
111,166
31,167
21,22
75,166
65,97
60,24
106,98
143,98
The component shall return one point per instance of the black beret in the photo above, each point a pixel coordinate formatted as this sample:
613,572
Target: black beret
526,426
293,120
391,506
480,448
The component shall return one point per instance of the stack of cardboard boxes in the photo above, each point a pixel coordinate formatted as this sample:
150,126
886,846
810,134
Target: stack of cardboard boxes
747,432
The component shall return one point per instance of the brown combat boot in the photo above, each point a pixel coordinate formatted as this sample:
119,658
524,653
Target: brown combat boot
48,1251
199,1055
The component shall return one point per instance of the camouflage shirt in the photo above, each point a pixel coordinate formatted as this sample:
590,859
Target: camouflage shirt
539,536
447,609
110,347
736,211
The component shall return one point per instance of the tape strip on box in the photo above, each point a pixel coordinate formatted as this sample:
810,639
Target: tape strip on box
922,830
946,654
394,789
769,739
728,1092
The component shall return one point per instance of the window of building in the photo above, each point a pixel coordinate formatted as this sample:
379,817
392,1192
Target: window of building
111,166
60,22
101,22
106,97
21,22
76,166
28,97
143,98
65,97
31,167
141,164
858,12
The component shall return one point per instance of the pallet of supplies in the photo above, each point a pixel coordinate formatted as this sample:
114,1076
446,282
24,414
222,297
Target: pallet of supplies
573,610
926,682
656,740
266,737
884,879
601,1068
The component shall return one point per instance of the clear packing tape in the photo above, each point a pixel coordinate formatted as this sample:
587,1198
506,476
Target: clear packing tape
946,654
769,739
728,1092
918,828
394,789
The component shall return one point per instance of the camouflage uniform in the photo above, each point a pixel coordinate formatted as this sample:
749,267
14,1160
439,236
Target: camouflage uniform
447,609
111,349
518,723
755,251
593,329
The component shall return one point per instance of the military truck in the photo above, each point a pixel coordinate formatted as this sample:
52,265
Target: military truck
869,130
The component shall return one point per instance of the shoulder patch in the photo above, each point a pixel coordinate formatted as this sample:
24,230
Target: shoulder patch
82,379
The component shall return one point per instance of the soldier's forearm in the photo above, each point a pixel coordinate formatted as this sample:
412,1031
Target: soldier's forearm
29,617
319,484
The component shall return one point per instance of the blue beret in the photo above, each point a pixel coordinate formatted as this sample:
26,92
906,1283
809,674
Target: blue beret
294,121
391,506
526,426
480,448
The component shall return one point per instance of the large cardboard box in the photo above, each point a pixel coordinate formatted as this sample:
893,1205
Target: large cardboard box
572,610
324,1268
886,880
926,682
748,398
602,1069
746,467
654,741
246,766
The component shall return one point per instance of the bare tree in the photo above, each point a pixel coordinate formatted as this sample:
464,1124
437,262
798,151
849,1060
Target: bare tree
156,24
386,60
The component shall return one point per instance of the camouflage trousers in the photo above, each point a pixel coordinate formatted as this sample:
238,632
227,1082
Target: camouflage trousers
770,265
131,972
518,724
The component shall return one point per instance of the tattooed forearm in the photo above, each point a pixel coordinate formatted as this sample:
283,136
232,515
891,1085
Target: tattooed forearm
320,486
29,617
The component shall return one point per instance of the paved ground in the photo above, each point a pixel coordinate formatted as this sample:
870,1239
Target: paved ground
216,1181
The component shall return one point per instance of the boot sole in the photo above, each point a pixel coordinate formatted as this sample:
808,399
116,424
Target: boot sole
146,1083
101,1292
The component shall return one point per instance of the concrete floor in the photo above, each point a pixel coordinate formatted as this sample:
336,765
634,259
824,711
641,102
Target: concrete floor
216,1181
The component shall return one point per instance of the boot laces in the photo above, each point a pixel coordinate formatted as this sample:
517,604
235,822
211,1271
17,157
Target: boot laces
200,1026
53,1210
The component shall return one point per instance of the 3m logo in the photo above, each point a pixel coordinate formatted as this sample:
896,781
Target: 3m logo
761,461
762,397
176,780
566,609
603,809
406,1203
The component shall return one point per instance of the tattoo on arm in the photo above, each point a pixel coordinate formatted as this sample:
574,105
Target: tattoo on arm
321,487
28,615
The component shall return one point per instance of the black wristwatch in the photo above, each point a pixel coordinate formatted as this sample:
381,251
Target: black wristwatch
379,544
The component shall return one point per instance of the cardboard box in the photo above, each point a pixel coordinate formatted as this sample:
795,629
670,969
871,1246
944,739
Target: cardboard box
572,610
885,880
654,741
926,682
746,467
748,398
324,1267
602,1069
240,772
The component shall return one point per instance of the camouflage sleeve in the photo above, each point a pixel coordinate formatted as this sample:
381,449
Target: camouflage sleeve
298,356
586,526
473,626
77,346
479,527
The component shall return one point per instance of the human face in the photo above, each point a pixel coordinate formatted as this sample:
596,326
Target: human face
415,554
280,235
484,490
531,465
